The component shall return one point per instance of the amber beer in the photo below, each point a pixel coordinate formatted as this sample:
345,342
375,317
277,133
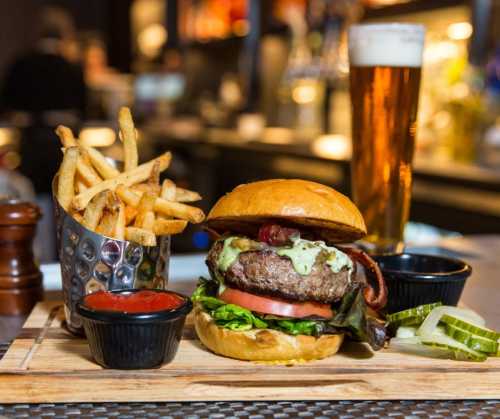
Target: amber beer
385,67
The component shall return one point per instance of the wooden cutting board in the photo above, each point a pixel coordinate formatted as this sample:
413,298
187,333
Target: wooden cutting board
47,364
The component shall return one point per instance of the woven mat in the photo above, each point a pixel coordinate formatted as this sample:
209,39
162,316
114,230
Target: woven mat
256,410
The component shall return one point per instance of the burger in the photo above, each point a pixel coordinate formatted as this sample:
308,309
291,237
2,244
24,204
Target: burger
283,285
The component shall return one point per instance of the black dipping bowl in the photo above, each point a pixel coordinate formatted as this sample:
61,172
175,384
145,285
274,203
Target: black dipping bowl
414,279
134,340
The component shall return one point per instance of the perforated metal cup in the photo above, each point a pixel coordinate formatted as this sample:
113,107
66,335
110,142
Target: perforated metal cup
92,262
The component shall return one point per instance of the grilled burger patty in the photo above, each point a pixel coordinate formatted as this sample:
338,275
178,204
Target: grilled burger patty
267,273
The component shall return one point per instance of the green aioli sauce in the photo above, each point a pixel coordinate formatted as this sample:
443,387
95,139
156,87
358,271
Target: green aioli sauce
228,255
302,253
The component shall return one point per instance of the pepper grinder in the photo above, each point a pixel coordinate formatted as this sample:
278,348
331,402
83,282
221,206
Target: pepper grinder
20,279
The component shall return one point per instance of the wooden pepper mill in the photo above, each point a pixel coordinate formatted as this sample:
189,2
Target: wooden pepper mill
20,279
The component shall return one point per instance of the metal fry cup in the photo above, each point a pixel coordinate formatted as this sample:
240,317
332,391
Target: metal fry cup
92,262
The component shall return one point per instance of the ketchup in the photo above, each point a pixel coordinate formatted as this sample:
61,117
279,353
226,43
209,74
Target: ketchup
144,301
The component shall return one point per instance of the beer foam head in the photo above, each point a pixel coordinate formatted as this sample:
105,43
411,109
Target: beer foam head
392,45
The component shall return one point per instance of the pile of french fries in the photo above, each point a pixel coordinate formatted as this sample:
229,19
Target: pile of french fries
130,205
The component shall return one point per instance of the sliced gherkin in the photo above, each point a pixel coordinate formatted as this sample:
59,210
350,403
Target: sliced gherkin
458,350
475,342
411,317
471,328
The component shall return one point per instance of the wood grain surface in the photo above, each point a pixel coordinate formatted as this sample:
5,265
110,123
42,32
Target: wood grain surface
47,364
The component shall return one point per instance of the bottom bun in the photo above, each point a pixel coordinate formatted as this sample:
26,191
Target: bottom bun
262,344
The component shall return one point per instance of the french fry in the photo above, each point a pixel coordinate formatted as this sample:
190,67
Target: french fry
105,169
66,136
127,206
145,216
80,185
67,171
94,211
163,207
141,236
146,187
129,196
120,223
154,179
113,221
147,202
107,224
112,201
168,190
168,227
176,209
84,168
86,171
129,139
137,175
148,221
130,214
185,195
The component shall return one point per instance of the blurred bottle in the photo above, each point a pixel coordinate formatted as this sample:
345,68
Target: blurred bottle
302,89
490,145
12,183
466,107
336,18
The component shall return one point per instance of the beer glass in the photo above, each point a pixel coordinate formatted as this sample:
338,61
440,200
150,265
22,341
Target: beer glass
385,63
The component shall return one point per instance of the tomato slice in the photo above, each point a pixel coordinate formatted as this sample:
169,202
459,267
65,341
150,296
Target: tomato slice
276,306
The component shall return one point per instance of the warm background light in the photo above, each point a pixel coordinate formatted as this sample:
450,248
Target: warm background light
332,146
460,30
8,136
97,137
304,93
241,27
277,135
151,39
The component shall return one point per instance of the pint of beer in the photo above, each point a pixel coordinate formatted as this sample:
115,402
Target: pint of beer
385,64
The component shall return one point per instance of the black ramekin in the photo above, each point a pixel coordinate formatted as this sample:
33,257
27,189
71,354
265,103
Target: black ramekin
134,340
414,279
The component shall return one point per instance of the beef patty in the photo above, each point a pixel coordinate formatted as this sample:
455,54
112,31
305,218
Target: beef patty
267,273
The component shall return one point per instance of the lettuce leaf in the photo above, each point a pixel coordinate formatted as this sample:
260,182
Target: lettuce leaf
237,318
350,317
234,317
229,316
298,327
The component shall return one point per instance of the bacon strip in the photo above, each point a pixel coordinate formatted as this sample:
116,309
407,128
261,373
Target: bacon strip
214,235
374,299
275,235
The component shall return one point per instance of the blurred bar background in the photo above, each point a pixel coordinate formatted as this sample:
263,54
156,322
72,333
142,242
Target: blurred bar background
242,90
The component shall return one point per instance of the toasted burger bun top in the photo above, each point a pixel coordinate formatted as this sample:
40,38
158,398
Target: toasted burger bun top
263,345
328,213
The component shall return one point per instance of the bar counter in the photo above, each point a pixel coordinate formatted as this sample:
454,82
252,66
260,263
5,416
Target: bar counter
445,194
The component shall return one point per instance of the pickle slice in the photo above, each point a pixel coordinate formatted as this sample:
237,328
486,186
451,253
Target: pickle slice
411,317
458,350
471,328
477,343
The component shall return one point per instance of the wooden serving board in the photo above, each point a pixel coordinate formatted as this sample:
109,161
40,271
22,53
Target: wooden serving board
47,364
